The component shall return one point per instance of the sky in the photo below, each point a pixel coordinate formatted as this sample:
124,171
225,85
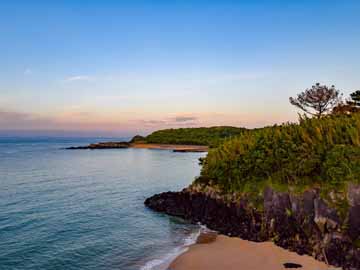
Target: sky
120,68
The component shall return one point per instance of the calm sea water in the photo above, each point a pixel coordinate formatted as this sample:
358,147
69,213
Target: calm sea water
83,209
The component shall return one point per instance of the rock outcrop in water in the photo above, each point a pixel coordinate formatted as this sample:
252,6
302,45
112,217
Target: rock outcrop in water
102,145
303,223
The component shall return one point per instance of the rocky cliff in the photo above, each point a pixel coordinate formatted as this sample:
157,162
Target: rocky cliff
305,223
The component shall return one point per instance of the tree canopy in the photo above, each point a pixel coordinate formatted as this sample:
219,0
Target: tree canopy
355,98
350,106
317,100
211,136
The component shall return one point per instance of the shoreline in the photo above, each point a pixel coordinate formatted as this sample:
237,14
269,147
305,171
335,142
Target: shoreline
300,222
162,262
156,146
173,147
213,252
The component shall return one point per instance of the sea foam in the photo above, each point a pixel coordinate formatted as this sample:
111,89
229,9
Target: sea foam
164,262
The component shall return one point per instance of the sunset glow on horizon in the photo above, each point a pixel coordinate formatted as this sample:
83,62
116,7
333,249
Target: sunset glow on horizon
124,68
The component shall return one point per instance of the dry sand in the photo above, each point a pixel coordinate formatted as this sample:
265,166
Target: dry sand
227,253
190,148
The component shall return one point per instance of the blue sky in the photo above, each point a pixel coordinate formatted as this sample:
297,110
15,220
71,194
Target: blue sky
126,67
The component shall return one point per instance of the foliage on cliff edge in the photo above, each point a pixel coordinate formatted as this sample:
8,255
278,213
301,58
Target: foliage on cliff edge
323,152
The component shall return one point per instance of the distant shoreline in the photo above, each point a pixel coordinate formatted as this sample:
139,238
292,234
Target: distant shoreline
174,147
157,146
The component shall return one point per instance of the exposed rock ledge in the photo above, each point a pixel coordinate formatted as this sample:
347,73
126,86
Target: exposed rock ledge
302,223
102,145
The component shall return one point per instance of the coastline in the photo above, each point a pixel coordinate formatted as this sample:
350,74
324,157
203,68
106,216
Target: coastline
303,223
232,253
162,262
157,146
174,147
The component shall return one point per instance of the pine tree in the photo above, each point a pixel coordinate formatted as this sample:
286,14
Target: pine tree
318,100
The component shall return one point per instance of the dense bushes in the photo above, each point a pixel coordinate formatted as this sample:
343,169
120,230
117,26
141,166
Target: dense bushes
315,151
212,136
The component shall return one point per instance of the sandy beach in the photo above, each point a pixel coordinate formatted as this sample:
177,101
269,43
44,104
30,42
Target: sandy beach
175,147
232,253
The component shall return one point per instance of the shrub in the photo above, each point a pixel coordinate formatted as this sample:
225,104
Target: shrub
212,136
315,151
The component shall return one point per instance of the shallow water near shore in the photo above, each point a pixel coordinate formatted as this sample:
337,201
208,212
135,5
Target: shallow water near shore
84,209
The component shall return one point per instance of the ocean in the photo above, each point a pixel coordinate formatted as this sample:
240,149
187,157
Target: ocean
83,209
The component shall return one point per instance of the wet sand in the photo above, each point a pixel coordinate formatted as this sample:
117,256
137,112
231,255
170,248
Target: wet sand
224,252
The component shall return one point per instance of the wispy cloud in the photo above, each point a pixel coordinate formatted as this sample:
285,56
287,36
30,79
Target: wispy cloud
80,124
176,121
76,118
181,119
153,122
79,78
67,120
11,119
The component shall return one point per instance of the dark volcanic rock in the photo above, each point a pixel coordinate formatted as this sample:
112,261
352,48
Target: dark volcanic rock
354,213
302,223
190,150
292,265
210,211
102,145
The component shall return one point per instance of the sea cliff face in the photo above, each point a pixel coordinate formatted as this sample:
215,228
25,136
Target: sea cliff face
304,223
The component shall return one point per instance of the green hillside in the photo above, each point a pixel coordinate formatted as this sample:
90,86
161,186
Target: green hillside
211,136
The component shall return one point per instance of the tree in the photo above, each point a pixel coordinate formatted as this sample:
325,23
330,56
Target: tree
350,106
318,100
355,99
343,108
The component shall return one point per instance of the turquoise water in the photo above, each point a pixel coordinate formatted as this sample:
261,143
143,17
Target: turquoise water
83,209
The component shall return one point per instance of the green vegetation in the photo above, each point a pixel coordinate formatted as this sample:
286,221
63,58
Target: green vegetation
212,136
351,105
354,99
316,152
318,100
323,151
138,139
